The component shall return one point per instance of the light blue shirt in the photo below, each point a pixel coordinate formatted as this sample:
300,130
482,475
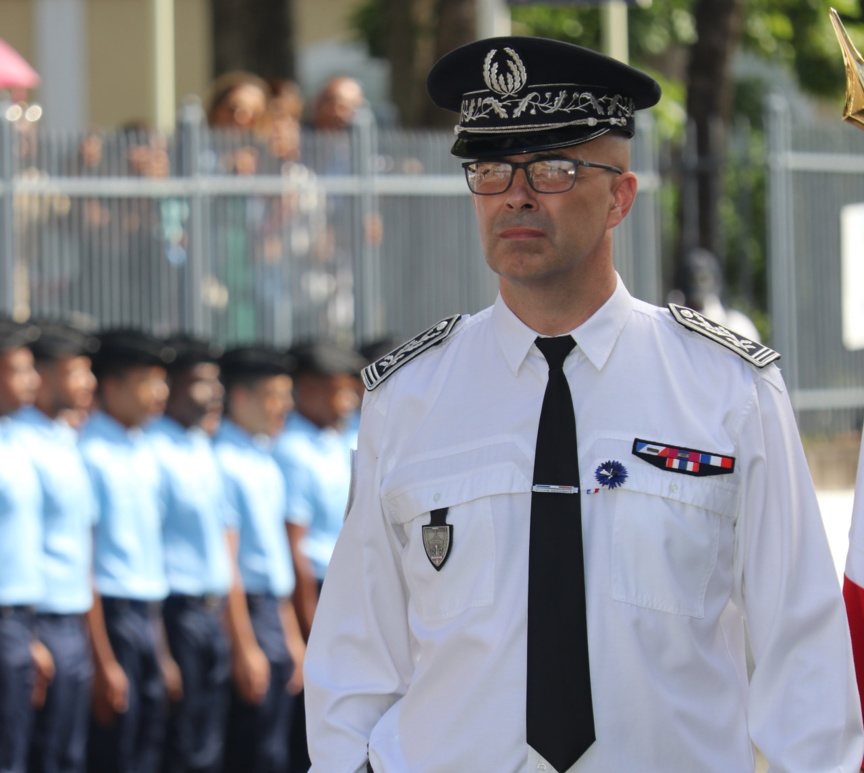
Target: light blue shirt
195,511
316,464
129,560
68,511
20,522
255,491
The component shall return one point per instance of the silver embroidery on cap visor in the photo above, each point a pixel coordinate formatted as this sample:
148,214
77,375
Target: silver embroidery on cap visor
496,110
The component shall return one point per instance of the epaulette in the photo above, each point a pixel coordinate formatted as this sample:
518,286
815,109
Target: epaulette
379,371
752,351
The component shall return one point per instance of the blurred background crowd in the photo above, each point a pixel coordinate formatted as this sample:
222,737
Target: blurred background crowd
167,514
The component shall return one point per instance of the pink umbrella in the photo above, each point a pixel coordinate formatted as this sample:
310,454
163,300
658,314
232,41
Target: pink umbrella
15,73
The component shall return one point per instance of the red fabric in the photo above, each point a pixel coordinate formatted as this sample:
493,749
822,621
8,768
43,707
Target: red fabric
853,595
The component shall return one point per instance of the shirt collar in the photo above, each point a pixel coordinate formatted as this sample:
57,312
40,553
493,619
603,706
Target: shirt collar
107,426
234,433
596,337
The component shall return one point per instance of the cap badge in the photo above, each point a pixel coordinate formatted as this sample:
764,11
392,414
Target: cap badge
506,85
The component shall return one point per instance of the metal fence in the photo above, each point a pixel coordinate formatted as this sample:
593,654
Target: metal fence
815,167
368,233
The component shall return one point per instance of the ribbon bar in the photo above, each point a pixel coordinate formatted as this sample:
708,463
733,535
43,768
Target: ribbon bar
546,489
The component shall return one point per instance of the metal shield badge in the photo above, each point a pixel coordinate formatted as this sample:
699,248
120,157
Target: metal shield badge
438,538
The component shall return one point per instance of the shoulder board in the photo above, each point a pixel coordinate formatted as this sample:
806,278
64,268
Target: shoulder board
378,372
752,351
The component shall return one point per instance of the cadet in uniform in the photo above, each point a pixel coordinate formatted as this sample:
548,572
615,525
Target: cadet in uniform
132,666
267,647
197,558
314,455
503,599
21,583
62,355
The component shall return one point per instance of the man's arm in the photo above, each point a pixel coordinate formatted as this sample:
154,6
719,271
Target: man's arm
358,661
804,712
249,665
305,596
110,683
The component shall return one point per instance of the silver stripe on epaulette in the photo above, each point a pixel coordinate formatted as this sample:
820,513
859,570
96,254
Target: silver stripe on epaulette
752,351
376,373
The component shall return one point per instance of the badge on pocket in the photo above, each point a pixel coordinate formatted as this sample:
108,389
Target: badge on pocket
438,538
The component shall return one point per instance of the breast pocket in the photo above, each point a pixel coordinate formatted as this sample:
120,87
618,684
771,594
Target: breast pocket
666,535
465,484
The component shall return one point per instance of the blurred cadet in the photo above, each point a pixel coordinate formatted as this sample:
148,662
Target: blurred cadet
129,651
267,646
197,558
24,665
62,353
314,455
700,279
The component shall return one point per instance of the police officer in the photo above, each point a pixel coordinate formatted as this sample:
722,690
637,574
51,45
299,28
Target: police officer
197,558
62,355
267,647
133,670
21,583
568,505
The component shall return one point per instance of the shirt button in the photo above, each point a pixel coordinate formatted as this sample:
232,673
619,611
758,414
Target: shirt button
673,488
541,766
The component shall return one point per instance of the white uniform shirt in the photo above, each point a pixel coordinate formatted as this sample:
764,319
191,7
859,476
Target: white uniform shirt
428,667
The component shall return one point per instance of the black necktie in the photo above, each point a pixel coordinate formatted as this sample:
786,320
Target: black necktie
560,716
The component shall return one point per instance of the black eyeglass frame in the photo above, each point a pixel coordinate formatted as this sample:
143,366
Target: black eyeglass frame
524,165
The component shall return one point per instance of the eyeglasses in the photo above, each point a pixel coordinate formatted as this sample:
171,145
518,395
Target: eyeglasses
545,175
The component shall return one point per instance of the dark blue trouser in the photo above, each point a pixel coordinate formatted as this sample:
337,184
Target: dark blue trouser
59,740
133,742
17,675
199,644
257,735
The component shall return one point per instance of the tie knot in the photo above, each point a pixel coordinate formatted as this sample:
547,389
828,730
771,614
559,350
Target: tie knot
555,350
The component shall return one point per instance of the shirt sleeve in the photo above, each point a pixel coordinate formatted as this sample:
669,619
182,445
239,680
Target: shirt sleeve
358,662
804,713
299,491
230,498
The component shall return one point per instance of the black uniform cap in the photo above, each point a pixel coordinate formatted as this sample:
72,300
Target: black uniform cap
16,335
254,361
376,348
59,339
526,94
129,347
191,351
324,358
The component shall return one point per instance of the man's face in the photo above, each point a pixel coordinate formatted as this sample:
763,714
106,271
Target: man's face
135,395
262,407
337,104
196,392
326,400
532,238
67,384
18,380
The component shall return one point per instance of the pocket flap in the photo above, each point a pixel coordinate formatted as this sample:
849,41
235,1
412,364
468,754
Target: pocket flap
454,477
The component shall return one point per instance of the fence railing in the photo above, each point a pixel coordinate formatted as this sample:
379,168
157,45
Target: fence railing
366,233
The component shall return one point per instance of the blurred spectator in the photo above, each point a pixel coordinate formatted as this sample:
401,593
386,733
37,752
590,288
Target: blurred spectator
134,673
337,104
284,113
700,283
26,666
267,647
62,355
197,559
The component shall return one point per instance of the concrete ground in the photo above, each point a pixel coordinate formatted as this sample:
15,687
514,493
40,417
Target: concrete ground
836,508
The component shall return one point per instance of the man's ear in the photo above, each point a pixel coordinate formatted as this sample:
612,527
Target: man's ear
623,195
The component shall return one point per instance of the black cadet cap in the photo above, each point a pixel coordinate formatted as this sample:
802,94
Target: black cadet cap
256,360
16,335
325,358
376,348
129,347
527,94
191,351
59,339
